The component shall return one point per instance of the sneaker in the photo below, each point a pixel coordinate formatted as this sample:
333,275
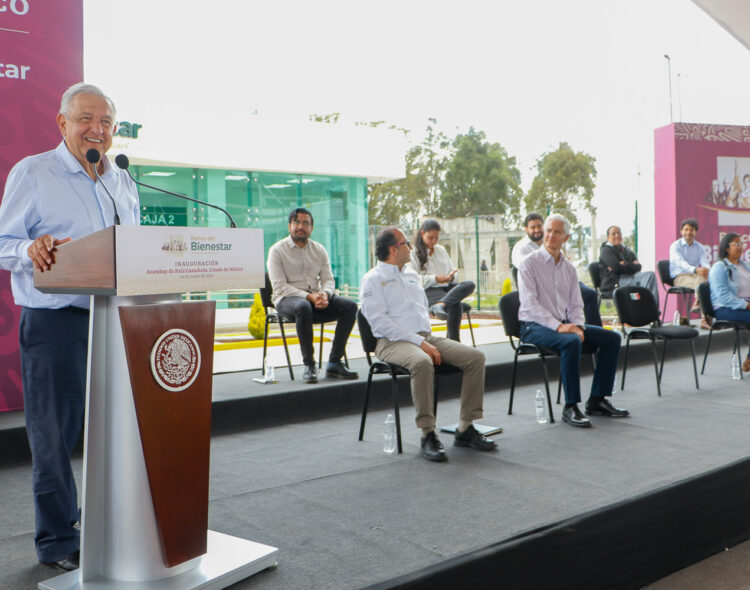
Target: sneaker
439,311
311,374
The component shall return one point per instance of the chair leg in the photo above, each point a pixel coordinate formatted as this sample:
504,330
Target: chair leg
365,405
738,348
546,388
708,345
656,367
664,311
512,383
286,350
625,362
663,354
265,345
471,329
435,395
320,355
559,389
394,390
695,366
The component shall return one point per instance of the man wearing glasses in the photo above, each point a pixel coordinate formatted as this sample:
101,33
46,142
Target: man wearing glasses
395,305
302,281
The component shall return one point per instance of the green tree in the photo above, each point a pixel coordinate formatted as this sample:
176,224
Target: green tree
564,183
480,179
401,202
329,118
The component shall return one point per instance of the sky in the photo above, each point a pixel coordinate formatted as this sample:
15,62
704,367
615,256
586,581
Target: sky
529,74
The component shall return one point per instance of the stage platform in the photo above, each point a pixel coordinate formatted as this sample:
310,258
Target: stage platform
345,515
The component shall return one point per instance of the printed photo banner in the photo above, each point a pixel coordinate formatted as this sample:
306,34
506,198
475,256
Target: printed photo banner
701,171
41,44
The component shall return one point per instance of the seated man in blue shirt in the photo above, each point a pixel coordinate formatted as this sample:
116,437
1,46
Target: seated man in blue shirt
49,199
394,303
551,315
689,263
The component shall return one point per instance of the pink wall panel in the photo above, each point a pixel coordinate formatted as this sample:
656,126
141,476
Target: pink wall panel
41,44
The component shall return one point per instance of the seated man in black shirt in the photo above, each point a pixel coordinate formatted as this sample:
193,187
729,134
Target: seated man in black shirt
620,267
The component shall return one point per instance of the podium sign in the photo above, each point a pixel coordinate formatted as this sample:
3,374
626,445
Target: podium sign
148,405
167,260
153,260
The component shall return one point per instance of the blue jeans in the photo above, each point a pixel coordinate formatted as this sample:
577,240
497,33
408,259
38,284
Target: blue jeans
569,347
53,344
733,315
590,305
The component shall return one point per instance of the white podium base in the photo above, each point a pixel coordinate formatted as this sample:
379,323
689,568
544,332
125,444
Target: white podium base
228,560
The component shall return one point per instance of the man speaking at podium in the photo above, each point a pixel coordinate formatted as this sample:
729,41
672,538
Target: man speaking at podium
52,198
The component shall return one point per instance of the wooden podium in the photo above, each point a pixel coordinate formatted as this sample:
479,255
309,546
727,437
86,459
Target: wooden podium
144,521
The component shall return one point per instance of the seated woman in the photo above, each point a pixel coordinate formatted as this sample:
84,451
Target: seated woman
432,263
730,285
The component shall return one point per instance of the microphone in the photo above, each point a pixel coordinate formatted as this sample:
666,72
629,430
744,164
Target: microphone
93,156
122,162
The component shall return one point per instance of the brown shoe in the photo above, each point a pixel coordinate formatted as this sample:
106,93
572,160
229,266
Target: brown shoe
705,325
684,321
746,365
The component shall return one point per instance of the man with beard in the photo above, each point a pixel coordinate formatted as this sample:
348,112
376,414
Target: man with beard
302,281
534,227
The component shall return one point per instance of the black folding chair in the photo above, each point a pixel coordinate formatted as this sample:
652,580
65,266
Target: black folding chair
274,316
662,267
509,305
595,272
466,308
704,297
636,307
377,367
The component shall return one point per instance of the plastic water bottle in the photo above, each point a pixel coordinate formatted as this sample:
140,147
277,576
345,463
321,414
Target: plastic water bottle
735,367
268,369
389,435
541,412
676,318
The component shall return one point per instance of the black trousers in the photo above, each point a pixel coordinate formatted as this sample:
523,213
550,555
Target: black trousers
53,345
341,310
452,297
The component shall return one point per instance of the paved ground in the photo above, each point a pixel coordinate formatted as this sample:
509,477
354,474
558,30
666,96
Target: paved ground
345,515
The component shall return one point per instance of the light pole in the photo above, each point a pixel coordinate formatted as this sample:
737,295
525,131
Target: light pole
669,81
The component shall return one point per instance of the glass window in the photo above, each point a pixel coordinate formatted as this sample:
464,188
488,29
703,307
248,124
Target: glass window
264,200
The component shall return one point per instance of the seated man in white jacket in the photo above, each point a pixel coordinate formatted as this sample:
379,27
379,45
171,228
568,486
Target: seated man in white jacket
394,303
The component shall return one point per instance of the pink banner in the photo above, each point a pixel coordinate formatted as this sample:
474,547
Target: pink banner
41,46
701,171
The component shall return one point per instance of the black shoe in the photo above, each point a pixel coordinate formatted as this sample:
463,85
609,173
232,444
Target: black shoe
600,406
339,371
311,374
572,415
432,448
439,311
67,564
471,437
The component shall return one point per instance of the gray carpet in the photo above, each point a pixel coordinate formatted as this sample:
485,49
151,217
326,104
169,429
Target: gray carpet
345,515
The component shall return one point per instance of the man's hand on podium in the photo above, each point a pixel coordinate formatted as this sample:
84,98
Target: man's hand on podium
42,251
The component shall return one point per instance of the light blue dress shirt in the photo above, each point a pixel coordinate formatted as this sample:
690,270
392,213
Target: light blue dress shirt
684,258
51,193
723,288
